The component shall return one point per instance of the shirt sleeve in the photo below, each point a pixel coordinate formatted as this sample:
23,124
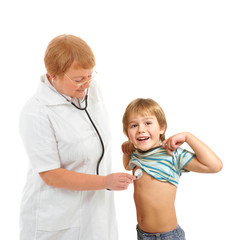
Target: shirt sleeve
182,157
39,139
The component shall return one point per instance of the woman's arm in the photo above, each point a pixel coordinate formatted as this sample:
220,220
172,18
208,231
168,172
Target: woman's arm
63,178
206,161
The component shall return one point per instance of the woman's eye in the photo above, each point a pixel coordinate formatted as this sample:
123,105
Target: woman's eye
78,80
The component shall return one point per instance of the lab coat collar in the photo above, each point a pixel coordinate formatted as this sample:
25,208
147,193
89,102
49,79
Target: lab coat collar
47,94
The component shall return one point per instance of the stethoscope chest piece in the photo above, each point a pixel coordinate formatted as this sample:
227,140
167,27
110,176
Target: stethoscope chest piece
138,173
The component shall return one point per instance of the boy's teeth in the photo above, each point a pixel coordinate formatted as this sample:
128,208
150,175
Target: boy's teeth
143,138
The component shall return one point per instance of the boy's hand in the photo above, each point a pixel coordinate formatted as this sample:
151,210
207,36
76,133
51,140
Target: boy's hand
172,143
127,148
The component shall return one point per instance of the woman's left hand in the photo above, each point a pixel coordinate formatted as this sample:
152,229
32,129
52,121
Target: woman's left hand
118,181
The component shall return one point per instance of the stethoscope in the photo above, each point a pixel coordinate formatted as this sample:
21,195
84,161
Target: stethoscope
88,115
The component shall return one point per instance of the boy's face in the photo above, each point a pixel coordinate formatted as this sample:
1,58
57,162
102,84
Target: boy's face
144,131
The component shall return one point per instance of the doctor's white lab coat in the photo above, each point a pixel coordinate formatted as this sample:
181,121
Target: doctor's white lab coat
57,135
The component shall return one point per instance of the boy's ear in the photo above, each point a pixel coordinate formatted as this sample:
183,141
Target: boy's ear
162,130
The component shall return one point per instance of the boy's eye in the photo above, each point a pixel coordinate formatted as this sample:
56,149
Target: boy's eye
133,126
148,123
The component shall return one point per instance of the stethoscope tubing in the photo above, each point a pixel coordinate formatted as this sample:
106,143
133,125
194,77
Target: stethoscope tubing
93,124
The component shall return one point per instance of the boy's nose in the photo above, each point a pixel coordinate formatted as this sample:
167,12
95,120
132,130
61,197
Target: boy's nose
141,128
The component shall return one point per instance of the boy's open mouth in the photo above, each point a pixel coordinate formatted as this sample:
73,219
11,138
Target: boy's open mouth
142,138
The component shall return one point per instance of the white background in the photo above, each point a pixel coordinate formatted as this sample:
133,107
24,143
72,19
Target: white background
180,53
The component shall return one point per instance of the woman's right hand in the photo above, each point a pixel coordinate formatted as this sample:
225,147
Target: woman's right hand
118,181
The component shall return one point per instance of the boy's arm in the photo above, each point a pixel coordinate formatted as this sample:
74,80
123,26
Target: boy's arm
126,159
127,149
205,161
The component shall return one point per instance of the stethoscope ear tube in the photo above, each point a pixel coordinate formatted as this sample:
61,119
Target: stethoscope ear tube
85,109
100,138
101,141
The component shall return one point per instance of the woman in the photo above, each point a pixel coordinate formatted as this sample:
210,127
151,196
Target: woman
64,198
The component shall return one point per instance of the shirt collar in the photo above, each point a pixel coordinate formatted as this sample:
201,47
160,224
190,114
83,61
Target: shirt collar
47,94
152,150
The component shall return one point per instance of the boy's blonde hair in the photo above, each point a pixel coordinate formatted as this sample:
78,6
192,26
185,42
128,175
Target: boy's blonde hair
145,106
63,50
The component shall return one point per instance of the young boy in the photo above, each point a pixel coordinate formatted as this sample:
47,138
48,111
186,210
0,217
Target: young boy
162,162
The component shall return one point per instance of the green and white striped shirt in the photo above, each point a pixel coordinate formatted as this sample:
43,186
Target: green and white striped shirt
160,165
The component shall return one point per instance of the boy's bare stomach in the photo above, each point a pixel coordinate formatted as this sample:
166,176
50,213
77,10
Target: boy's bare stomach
155,204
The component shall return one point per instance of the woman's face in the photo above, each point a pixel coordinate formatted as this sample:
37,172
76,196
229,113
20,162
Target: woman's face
75,82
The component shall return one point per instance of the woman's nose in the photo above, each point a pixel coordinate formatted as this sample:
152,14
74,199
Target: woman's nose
86,85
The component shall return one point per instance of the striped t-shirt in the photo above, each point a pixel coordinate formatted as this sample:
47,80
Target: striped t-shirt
160,165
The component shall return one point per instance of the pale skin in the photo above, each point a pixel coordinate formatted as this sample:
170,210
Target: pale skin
155,200
69,84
